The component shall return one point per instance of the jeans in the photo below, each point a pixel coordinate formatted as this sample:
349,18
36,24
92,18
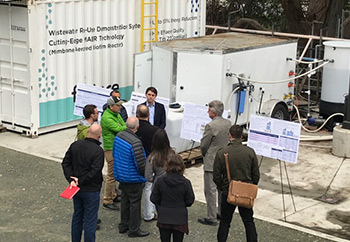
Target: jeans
246,214
165,235
86,206
148,206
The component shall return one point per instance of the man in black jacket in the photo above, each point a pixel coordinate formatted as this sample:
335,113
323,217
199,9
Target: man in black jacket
82,167
157,115
145,133
243,167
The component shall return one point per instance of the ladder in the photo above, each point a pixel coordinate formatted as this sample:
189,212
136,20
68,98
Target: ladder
153,26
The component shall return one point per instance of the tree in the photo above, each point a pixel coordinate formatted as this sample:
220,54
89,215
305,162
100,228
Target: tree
294,16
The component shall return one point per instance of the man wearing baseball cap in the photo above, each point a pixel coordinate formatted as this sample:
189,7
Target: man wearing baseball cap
111,123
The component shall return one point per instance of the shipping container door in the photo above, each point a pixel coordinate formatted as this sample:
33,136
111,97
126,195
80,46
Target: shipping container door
15,106
142,71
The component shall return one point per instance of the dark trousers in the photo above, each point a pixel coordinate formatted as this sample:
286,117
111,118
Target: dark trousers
165,235
86,206
246,214
130,214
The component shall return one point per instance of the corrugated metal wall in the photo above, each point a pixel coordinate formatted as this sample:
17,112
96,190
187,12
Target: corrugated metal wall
93,42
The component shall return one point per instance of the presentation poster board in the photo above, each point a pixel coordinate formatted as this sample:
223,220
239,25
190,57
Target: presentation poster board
138,98
88,94
194,120
274,138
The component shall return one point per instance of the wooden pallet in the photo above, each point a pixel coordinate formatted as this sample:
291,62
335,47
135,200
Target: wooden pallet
191,157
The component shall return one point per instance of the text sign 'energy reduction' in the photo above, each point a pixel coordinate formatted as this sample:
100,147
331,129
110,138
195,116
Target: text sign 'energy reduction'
274,138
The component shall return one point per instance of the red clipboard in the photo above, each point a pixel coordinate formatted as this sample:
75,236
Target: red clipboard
69,192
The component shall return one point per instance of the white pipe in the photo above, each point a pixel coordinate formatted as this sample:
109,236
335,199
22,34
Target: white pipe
285,80
305,49
324,123
251,31
317,138
318,146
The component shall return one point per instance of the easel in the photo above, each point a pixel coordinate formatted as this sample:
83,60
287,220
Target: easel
328,199
290,187
189,154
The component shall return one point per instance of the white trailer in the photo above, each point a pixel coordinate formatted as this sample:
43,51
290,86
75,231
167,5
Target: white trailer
199,70
47,47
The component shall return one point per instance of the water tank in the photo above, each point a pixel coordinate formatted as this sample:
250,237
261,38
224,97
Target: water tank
335,81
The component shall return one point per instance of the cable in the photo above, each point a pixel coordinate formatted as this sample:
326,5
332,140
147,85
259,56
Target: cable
281,81
324,123
306,62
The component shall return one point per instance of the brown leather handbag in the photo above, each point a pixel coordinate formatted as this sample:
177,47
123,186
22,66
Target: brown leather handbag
240,193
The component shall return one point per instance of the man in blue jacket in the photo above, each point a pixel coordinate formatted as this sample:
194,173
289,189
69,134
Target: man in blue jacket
129,169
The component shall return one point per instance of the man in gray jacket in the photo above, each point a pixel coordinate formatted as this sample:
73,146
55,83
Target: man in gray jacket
215,137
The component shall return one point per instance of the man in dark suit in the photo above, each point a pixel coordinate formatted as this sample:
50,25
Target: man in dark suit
157,115
145,133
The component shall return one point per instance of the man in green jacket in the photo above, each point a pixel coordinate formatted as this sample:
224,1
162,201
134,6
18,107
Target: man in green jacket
91,115
111,123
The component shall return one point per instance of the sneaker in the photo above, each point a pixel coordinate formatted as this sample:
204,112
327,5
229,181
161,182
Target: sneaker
117,199
138,233
123,231
206,221
111,206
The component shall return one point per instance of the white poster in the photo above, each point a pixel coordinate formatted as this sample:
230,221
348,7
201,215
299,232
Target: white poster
274,138
194,120
88,94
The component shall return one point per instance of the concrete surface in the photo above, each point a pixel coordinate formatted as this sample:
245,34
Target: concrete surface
309,179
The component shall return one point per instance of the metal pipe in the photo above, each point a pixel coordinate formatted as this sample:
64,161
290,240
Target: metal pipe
302,36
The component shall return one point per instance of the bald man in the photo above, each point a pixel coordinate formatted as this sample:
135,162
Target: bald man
82,167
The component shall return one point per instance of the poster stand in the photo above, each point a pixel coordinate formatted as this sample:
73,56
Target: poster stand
289,186
290,189
189,154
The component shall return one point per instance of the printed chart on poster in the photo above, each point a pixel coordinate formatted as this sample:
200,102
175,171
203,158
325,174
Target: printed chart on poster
274,138
88,94
194,120
138,98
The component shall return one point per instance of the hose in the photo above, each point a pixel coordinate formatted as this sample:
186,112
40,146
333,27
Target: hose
306,62
324,123
281,81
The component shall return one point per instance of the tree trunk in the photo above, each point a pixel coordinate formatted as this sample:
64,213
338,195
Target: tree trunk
294,16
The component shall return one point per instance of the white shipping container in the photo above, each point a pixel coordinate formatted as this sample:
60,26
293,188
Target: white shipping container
47,47
198,70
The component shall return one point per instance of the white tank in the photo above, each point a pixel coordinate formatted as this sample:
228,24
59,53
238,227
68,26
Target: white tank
335,82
